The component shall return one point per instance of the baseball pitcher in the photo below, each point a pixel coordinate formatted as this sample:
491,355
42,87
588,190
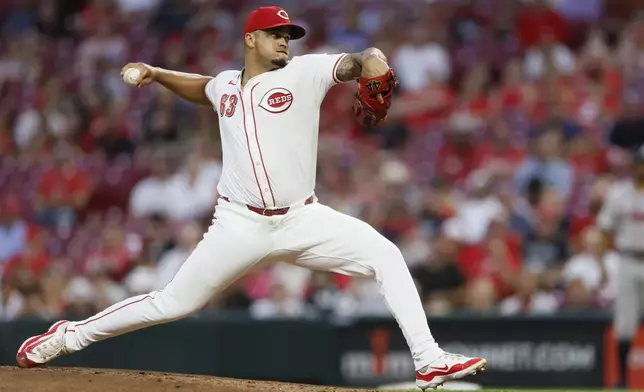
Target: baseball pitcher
268,115
621,220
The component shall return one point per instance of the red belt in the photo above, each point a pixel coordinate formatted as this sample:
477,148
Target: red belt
269,212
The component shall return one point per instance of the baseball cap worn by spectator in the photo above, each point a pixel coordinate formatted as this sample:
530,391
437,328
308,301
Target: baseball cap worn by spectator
264,18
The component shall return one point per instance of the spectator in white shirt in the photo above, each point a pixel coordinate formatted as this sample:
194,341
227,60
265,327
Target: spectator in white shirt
475,214
150,195
188,237
278,305
421,62
529,299
586,267
538,57
192,191
12,301
105,42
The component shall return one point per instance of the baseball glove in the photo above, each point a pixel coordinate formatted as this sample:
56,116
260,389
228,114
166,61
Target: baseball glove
367,107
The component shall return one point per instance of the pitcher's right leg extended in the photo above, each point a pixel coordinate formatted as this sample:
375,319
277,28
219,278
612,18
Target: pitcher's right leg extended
234,243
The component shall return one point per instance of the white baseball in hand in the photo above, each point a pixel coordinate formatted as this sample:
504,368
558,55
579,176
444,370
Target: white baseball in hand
131,76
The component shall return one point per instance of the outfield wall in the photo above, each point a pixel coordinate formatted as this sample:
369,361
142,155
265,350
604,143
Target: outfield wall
561,351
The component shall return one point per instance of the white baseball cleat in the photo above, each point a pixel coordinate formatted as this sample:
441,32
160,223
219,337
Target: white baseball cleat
40,349
448,367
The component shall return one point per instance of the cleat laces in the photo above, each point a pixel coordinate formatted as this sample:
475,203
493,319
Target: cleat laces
48,349
454,357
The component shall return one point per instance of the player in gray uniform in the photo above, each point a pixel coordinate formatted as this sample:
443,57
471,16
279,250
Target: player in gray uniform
621,220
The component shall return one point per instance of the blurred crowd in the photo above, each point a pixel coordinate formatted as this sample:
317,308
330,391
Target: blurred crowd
511,121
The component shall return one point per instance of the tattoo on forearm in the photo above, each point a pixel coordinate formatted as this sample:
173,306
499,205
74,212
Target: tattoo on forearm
350,67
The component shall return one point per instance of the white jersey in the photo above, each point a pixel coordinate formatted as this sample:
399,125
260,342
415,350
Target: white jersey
623,214
269,130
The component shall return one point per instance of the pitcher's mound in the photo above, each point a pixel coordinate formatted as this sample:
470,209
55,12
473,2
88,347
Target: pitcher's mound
64,379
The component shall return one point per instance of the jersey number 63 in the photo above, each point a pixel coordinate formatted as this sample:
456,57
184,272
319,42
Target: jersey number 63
227,105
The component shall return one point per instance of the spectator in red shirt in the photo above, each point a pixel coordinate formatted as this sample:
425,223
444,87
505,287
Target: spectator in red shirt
334,116
580,222
596,88
35,257
494,262
113,258
419,109
497,152
515,93
474,98
458,156
62,191
537,19
587,156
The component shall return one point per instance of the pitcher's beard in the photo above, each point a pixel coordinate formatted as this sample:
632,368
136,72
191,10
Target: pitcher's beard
281,63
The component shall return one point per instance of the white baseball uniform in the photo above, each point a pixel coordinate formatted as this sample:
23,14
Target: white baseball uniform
622,214
269,131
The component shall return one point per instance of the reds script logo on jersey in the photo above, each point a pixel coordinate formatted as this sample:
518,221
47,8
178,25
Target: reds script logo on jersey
276,100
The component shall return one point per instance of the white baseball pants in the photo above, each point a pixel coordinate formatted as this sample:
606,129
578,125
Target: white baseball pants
312,236
630,297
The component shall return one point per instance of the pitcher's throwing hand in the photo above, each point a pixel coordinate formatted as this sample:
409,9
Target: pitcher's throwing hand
138,74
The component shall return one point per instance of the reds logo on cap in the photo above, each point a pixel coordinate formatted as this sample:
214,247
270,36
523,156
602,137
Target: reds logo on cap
276,100
265,18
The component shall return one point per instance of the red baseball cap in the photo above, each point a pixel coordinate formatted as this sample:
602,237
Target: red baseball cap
265,18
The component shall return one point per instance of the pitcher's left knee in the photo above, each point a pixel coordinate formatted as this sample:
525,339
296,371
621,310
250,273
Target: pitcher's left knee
386,255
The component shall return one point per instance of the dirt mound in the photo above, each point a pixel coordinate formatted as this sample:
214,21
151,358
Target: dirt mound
59,379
